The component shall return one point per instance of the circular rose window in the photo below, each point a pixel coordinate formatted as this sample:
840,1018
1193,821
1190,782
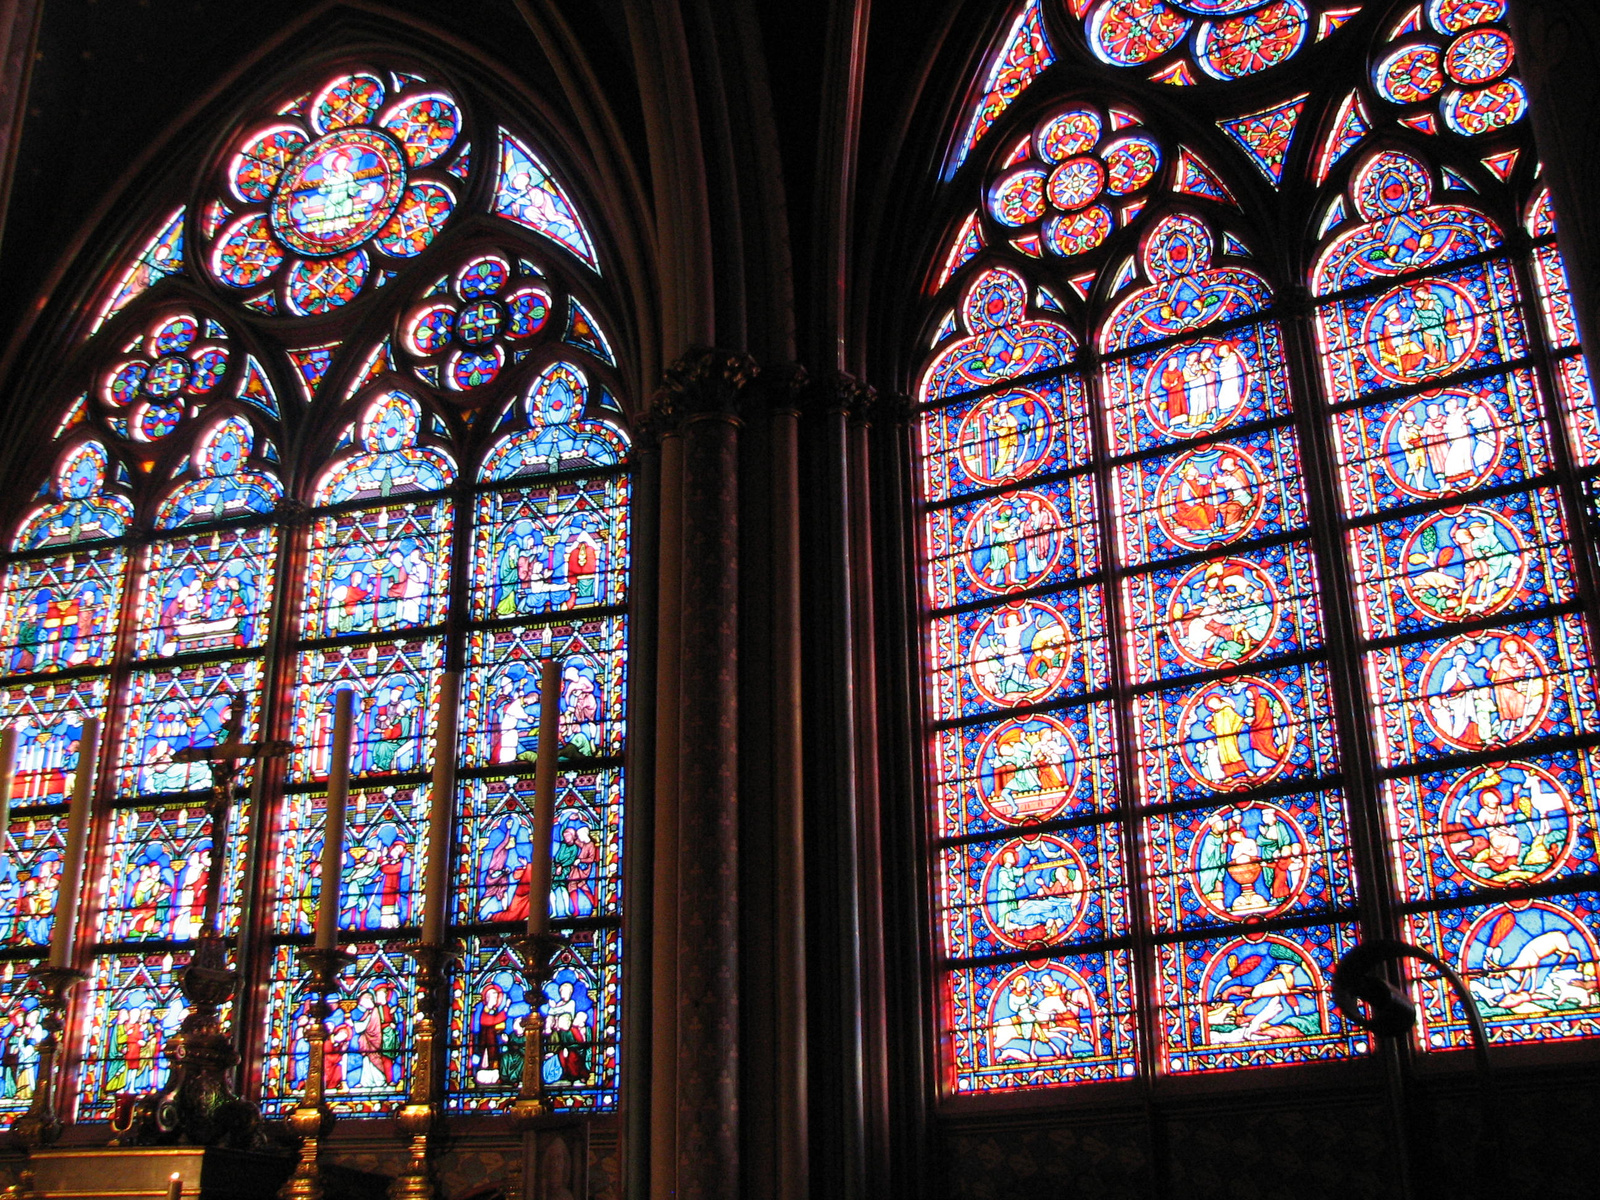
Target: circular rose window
338,192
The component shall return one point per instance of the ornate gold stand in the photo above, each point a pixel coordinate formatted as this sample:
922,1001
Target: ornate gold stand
312,1119
530,1109
419,1117
39,1126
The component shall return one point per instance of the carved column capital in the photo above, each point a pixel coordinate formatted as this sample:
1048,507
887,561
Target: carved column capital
837,392
705,382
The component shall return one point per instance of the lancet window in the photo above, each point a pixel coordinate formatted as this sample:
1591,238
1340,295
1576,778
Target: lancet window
347,418
1253,626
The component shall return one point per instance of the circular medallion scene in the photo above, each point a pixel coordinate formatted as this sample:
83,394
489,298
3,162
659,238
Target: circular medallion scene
1464,562
1485,690
1507,823
1237,734
1210,496
1020,653
1222,613
1027,769
1013,541
1421,331
1033,891
1248,861
1442,442
1007,436
1198,387
338,191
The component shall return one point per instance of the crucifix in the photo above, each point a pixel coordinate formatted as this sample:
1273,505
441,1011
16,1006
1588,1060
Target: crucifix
226,758
197,1105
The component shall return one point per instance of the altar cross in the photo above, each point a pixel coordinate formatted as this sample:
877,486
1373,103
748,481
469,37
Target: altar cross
225,758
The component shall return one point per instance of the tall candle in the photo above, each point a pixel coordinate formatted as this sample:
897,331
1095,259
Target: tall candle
344,710
544,797
65,933
8,773
444,786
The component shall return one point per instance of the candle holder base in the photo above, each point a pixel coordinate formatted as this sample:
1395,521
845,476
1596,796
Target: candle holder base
39,1126
419,1119
312,1119
198,1107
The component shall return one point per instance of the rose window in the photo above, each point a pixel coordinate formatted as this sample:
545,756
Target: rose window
171,369
348,183
1459,60
1068,187
1226,39
472,323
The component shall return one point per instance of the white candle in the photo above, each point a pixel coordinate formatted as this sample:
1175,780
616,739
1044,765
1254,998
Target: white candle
8,774
344,708
64,935
439,816
544,797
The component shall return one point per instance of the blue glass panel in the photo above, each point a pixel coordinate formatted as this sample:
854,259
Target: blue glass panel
1235,734
495,847
1052,1021
1196,388
1209,497
500,696
156,871
1026,652
1442,442
396,707
1005,437
49,721
1015,542
1480,691
1254,1000
206,593
1223,612
1460,563
378,569
61,612
1419,331
580,1011
1531,965
20,1035
381,880
368,1060
1248,861
176,708
1033,890
134,1010
1026,770
539,550
30,876
1502,825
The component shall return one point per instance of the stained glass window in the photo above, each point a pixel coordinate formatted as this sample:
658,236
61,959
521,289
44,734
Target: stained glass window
1222,600
238,519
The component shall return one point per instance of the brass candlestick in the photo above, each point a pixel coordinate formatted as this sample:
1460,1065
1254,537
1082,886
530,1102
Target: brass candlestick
419,1117
537,952
39,1126
312,1119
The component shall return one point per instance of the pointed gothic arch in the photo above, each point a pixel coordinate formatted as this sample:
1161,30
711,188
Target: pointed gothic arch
1192,584
264,434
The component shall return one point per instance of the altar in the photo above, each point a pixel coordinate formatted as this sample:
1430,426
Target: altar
181,1173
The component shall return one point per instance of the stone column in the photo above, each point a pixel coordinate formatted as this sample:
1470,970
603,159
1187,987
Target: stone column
701,395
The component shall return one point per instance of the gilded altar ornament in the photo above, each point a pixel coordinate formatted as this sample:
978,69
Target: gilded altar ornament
312,1119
